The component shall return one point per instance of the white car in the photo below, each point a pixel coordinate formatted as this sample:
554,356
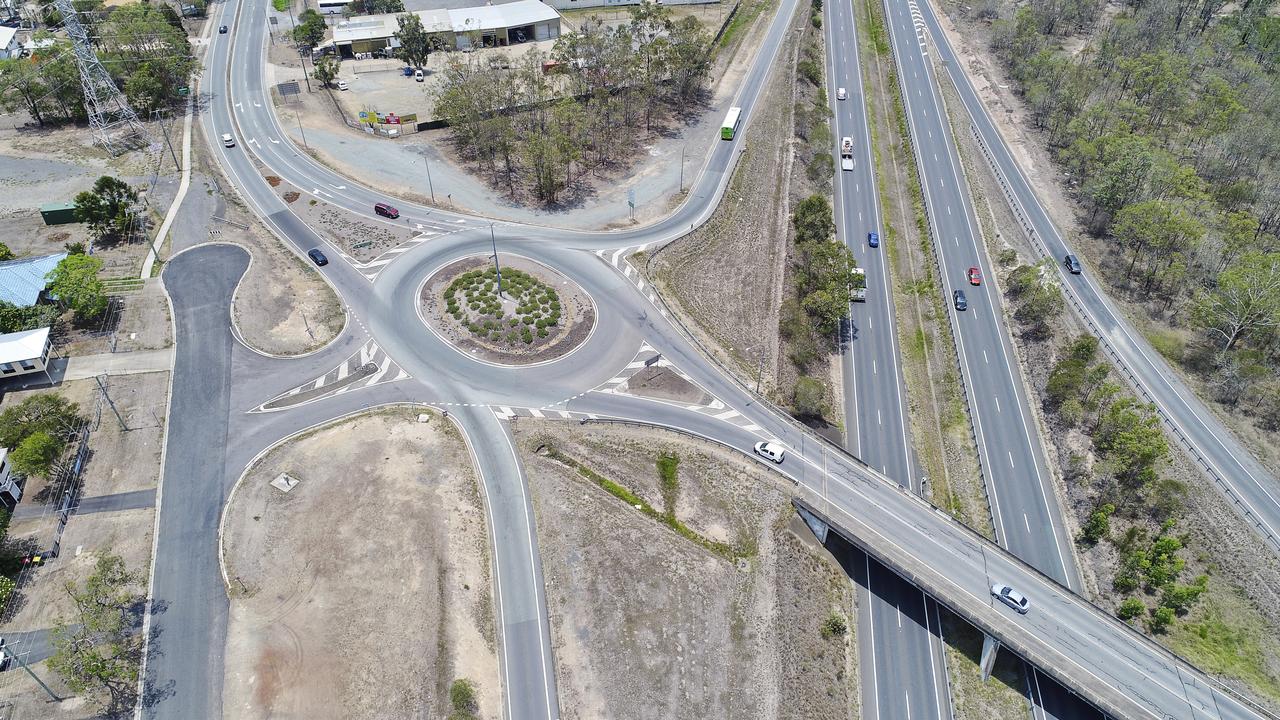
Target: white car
841,94
771,451
342,85
227,140
1011,597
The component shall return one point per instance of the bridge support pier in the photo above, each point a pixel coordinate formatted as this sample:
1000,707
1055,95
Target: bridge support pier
990,647
818,527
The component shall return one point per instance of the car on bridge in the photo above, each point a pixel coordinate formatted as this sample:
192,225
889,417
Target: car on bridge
1011,597
770,451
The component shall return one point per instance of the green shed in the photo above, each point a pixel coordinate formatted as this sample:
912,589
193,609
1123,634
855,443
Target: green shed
58,213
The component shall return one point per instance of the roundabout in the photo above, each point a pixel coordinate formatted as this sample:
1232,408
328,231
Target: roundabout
519,314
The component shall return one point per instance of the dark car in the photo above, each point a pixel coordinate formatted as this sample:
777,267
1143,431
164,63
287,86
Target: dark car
873,240
962,303
408,71
222,30
1072,263
317,257
386,210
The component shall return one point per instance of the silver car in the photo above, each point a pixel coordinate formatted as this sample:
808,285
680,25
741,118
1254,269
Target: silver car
1011,597
771,451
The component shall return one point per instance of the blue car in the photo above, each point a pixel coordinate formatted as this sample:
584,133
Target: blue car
873,240
408,71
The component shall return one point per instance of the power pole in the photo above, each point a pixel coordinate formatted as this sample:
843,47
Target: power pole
305,75
682,168
103,389
160,117
427,163
496,269
111,119
304,132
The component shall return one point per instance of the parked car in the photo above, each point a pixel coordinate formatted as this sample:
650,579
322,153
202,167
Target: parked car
1072,263
841,94
975,276
222,29
386,210
873,239
962,302
770,451
342,85
417,75
408,71
228,141
317,257
1011,597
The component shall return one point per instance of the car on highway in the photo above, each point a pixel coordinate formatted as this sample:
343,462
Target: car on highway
1011,597
317,257
841,94
222,30
386,210
961,302
770,451
227,140
975,276
1073,264
873,239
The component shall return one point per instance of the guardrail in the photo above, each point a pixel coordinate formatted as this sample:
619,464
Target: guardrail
1127,372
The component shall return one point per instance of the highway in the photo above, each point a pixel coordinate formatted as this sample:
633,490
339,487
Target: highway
1249,488
1078,643
902,664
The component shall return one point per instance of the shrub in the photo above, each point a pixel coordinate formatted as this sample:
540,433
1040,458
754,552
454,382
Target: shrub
1161,619
1098,526
36,453
834,626
810,396
1007,257
526,335
542,332
462,698
1130,609
1180,598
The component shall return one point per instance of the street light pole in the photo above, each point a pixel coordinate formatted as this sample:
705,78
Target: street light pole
681,168
427,163
496,269
304,132
305,75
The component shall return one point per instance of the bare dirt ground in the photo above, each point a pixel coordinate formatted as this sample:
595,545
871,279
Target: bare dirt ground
282,305
650,624
727,278
119,461
342,227
576,320
328,621
940,426
664,384
1238,615
969,37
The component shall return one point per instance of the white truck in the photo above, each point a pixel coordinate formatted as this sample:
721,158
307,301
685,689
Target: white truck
846,153
859,290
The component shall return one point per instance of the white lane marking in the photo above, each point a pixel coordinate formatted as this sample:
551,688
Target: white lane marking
948,209
984,357
878,421
1026,523
277,142
899,611
997,404
1011,459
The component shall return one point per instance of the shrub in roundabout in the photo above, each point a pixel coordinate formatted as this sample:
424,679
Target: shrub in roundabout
472,300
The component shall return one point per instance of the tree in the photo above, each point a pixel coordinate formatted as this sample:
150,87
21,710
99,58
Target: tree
810,397
36,453
383,7
1156,228
1098,526
106,207
326,69
1130,437
16,319
1161,619
148,53
1180,598
310,29
416,44
1130,609
44,412
813,220
74,282
5,252
1246,299
95,652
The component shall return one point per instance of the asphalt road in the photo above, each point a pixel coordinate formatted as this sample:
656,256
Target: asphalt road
1081,643
1251,490
876,428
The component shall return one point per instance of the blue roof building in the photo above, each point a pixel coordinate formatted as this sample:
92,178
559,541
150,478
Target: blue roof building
22,280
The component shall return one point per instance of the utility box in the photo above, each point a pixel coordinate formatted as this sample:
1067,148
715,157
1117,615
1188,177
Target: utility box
58,213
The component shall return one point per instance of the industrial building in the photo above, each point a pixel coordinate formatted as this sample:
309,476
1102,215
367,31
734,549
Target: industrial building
486,26
22,281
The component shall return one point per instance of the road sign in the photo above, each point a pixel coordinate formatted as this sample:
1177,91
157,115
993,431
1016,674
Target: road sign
631,197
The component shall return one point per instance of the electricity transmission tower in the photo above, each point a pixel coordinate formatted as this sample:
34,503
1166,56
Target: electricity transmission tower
115,125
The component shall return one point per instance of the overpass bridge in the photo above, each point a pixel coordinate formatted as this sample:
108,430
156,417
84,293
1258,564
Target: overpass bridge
1086,649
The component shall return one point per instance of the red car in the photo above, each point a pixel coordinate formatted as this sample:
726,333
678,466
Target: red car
386,210
975,276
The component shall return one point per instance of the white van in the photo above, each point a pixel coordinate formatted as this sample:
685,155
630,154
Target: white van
228,141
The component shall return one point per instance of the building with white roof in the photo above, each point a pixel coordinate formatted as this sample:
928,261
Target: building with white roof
489,25
24,352
10,490
9,47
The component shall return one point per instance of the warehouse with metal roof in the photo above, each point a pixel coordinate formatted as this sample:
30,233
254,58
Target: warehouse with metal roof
22,280
461,28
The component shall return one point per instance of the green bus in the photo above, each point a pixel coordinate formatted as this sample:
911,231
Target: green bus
731,123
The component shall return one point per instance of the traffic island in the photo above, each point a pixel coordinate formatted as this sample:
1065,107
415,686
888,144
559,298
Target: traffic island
537,315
